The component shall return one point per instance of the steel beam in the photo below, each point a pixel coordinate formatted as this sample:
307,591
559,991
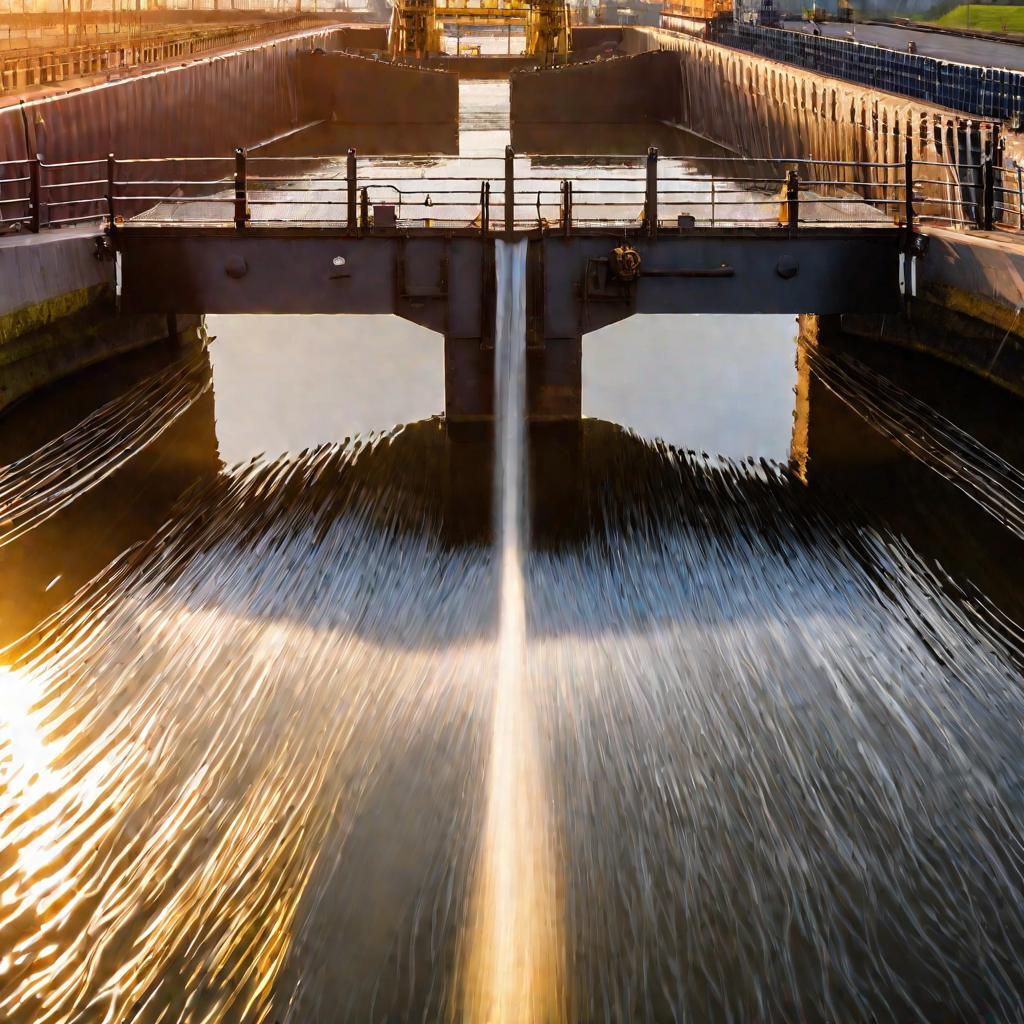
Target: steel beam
268,270
444,281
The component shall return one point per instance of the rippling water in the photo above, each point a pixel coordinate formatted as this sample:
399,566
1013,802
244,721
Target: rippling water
727,729
248,767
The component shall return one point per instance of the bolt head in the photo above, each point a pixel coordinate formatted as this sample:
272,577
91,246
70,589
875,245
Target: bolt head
787,267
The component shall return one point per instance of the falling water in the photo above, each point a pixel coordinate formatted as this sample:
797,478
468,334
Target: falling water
514,954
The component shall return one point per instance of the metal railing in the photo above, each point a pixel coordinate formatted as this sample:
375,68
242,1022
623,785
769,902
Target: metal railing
985,92
649,193
29,68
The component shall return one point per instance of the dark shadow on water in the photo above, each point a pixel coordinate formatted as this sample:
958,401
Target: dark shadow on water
589,483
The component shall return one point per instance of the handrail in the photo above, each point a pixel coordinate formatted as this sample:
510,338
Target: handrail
795,193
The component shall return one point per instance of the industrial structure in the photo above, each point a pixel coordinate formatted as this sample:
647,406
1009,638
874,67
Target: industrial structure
909,197
418,26
695,16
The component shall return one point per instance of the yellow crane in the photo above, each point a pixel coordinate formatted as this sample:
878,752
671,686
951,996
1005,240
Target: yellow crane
417,26
695,15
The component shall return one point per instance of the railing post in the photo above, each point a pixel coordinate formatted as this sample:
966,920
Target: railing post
908,184
978,194
111,179
485,208
793,201
364,209
34,195
350,177
988,189
510,190
1020,199
566,207
651,194
241,190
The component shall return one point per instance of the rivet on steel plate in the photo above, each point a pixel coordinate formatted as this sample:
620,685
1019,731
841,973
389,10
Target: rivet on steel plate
787,267
235,266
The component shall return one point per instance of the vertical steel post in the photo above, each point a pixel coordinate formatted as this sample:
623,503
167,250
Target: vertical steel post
350,177
111,178
1020,199
364,208
34,195
241,189
651,194
978,193
566,207
510,190
793,201
908,185
988,189
485,208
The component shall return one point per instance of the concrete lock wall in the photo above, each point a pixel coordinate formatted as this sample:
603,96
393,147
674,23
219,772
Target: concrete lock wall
361,38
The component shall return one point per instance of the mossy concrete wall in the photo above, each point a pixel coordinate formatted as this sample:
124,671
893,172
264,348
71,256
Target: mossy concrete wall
969,308
48,276
41,357
58,315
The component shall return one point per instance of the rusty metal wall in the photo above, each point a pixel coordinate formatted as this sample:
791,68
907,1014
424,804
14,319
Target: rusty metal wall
586,41
759,107
389,94
621,91
38,68
204,107
362,37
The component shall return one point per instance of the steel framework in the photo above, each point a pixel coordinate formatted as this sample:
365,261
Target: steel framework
417,26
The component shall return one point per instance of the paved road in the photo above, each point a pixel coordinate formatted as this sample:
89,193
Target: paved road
930,44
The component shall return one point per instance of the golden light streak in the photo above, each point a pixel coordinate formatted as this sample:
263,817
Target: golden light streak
515,971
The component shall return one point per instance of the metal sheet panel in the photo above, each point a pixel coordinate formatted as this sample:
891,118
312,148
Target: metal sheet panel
200,107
